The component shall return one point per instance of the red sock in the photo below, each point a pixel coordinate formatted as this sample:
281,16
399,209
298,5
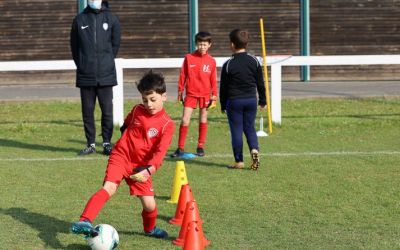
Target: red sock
94,205
183,130
202,134
149,220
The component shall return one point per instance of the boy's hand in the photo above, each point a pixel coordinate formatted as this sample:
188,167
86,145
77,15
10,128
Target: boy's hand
143,173
213,102
180,97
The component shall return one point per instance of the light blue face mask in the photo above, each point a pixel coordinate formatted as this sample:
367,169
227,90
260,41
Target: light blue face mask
95,4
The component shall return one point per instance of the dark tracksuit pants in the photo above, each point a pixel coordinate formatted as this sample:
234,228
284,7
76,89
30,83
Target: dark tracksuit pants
88,100
241,117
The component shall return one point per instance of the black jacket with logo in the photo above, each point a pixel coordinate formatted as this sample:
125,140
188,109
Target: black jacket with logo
95,39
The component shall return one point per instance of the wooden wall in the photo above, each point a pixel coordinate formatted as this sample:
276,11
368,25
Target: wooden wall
357,27
39,30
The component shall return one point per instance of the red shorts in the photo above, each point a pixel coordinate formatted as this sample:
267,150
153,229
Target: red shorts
194,102
118,169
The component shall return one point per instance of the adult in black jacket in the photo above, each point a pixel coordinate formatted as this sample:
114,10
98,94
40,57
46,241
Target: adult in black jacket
95,39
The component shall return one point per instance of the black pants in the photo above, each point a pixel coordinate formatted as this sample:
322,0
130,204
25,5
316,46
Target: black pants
88,100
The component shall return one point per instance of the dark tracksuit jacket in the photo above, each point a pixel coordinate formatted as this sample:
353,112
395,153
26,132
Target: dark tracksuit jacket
95,40
241,77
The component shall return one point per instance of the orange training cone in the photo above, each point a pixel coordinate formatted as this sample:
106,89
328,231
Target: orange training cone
185,196
191,214
194,237
180,179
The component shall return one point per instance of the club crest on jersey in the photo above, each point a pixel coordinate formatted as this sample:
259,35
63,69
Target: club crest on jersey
206,68
105,26
152,132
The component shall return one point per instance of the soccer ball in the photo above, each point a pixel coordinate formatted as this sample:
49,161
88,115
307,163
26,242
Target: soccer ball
107,239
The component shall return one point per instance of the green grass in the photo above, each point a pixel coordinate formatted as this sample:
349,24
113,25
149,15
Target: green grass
329,179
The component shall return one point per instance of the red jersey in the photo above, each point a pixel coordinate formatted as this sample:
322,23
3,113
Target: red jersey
198,75
146,139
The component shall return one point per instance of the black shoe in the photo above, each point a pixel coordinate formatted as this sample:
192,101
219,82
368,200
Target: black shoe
178,153
107,148
200,152
88,150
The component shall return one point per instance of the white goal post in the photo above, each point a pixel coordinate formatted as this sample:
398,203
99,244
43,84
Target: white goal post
276,63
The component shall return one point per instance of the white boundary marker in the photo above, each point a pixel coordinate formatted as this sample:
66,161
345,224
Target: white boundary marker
282,154
276,63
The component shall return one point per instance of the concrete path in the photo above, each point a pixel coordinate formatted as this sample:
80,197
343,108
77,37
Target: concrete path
352,89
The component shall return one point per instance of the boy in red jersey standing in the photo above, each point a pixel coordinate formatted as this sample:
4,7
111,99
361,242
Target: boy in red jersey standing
146,135
198,78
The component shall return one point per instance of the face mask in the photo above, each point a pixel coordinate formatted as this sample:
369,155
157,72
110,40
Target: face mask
95,4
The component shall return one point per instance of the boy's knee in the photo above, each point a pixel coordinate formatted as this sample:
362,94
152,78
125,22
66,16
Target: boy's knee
110,187
185,121
149,207
148,203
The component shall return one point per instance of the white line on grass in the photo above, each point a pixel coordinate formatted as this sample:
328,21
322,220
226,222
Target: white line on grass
53,159
284,154
338,153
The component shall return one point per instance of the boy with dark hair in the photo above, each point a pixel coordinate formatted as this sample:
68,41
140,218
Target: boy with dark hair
199,78
241,81
146,135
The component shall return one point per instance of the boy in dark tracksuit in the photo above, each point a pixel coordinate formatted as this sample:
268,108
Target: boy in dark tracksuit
241,80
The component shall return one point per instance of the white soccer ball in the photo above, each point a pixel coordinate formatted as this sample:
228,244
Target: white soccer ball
107,239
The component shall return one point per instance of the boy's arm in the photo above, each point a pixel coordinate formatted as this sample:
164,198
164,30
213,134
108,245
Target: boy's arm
143,173
161,149
182,79
213,81
261,87
222,88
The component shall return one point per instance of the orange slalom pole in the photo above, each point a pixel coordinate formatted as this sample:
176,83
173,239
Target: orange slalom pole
266,76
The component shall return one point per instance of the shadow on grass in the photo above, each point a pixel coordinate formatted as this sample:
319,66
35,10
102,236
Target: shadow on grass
164,218
80,142
17,144
47,226
198,161
165,198
133,233
74,123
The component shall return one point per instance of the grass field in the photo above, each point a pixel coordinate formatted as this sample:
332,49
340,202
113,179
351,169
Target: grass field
329,179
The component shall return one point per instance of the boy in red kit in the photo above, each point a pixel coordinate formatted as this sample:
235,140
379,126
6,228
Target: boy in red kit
199,78
146,135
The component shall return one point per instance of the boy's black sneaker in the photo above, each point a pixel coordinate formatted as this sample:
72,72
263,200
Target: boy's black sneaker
107,148
200,152
178,153
88,150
